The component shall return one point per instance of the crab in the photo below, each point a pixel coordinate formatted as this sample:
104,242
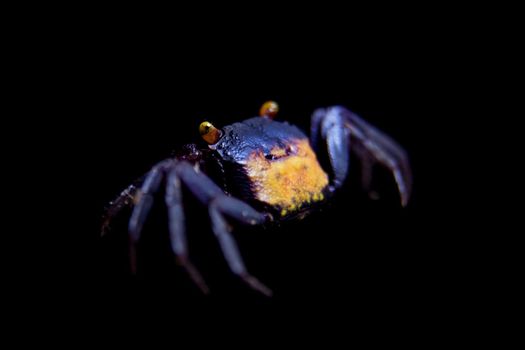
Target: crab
255,172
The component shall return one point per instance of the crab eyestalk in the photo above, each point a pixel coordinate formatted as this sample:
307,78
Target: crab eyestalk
269,109
209,133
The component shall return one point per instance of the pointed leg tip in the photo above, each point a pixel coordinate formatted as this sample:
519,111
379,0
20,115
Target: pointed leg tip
255,284
373,195
104,231
133,257
268,293
133,268
203,287
405,199
194,274
205,290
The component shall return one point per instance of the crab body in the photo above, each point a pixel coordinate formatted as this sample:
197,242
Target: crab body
264,171
274,164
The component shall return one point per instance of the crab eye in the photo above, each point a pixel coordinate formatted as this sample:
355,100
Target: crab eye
209,133
269,109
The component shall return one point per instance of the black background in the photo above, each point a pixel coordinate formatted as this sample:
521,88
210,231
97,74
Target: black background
125,100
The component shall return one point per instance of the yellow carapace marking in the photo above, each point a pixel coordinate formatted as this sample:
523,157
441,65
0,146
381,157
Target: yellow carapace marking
293,178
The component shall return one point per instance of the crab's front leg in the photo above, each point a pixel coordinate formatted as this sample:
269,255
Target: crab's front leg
124,200
140,195
344,131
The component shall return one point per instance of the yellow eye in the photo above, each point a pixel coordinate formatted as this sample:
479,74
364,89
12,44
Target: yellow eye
209,133
269,109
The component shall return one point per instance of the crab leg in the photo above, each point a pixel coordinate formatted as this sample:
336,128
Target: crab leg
177,229
145,201
140,211
221,205
124,200
342,128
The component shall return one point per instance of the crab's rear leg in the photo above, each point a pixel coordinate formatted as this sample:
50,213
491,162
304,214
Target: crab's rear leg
221,206
177,228
344,131
173,198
